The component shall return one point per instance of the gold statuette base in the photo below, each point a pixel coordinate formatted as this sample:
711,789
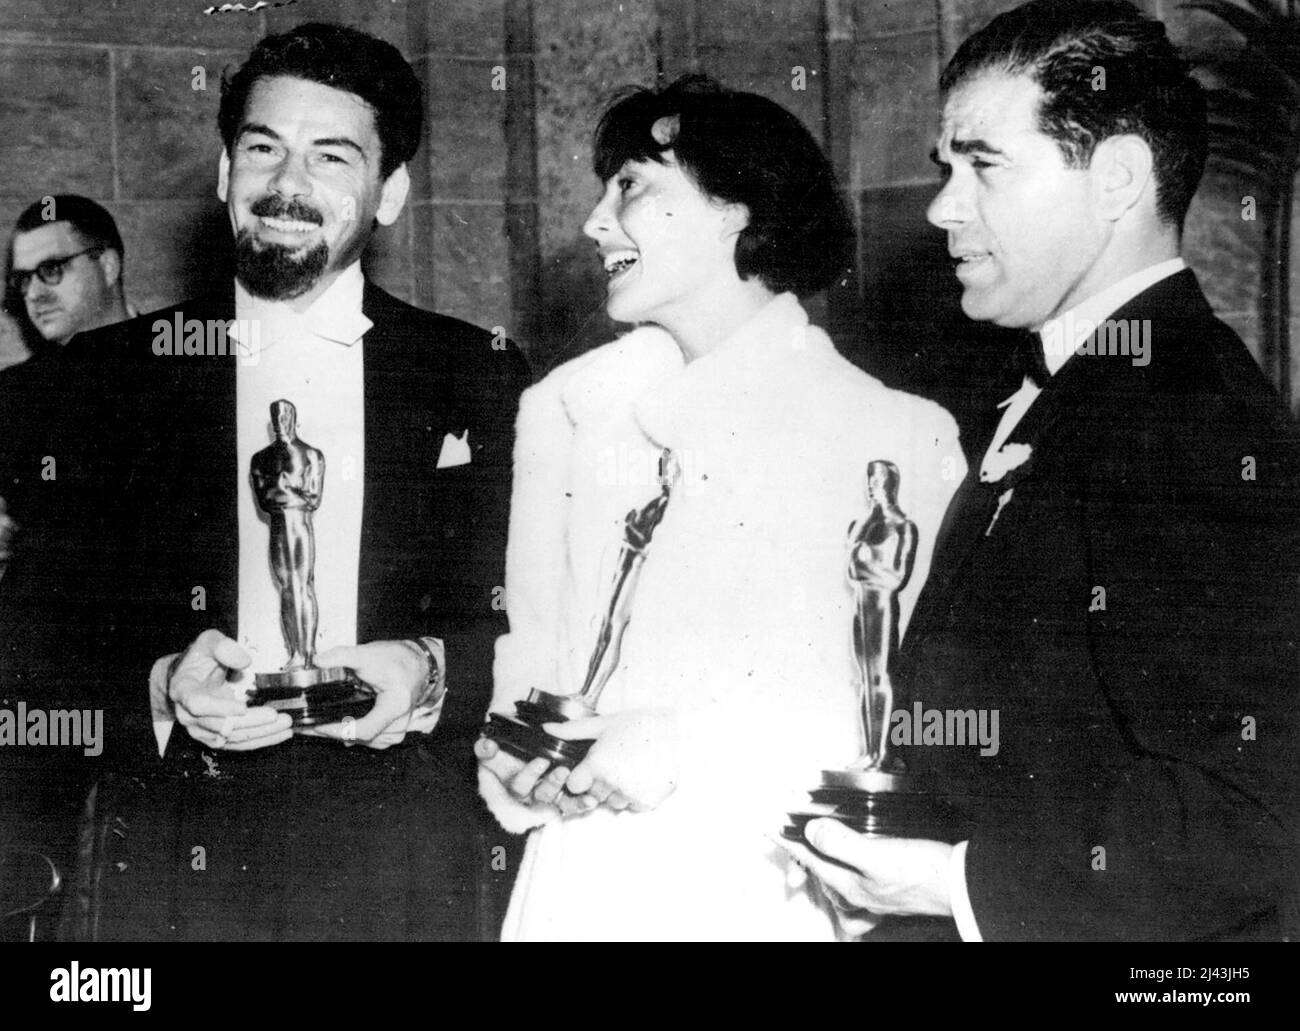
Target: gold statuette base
313,696
524,737
879,804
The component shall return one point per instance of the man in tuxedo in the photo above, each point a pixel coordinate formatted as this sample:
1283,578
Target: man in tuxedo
1117,580
245,827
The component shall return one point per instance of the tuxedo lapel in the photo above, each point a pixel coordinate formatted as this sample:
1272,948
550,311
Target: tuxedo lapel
968,514
225,547
383,508
409,411
190,444
1066,400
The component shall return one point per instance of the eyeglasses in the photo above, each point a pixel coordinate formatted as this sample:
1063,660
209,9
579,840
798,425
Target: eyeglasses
50,270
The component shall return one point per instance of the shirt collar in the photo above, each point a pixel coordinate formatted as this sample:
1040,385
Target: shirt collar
334,316
1062,335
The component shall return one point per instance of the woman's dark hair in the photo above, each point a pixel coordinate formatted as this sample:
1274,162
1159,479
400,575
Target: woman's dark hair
348,60
741,148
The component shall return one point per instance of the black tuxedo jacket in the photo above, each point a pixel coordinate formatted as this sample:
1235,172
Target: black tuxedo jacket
29,394
140,554
1131,614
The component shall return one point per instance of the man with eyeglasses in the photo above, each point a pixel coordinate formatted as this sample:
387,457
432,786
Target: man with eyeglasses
66,264
65,267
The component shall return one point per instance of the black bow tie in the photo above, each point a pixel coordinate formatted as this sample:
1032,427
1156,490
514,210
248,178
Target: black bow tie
1027,358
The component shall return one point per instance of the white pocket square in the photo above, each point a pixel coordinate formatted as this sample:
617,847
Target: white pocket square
455,451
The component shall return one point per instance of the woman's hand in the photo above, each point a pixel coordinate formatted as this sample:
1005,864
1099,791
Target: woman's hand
633,762
532,783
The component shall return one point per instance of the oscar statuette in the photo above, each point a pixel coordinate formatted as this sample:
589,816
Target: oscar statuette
524,737
288,477
876,796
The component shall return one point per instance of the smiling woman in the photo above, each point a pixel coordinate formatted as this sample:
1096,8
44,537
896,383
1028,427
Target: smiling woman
717,213
697,199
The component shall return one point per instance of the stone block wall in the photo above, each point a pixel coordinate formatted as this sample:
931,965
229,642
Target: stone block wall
101,97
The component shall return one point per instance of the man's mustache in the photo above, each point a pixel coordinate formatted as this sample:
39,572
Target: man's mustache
294,210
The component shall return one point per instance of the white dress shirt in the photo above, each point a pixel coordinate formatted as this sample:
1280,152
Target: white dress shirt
1060,337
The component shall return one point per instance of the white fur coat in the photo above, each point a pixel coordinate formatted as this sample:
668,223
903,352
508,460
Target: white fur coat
742,620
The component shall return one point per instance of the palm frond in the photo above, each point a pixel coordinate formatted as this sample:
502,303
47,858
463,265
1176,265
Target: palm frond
1268,9
1254,107
1266,169
1242,169
1254,95
1274,35
1249,75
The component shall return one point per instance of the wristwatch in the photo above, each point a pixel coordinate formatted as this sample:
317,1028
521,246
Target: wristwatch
432,649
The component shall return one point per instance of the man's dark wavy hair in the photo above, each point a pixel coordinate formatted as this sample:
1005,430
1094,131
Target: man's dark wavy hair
744,149
1146,90
348,60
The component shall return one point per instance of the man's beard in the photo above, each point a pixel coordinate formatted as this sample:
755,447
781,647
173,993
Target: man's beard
274,271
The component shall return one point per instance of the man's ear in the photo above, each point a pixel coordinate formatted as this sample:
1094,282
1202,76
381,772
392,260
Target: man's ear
223,176
393,195
111,264
1124,172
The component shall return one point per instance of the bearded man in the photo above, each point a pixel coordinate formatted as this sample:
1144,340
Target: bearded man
163,602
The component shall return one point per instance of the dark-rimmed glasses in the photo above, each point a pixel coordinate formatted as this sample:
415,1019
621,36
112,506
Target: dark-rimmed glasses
50,270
